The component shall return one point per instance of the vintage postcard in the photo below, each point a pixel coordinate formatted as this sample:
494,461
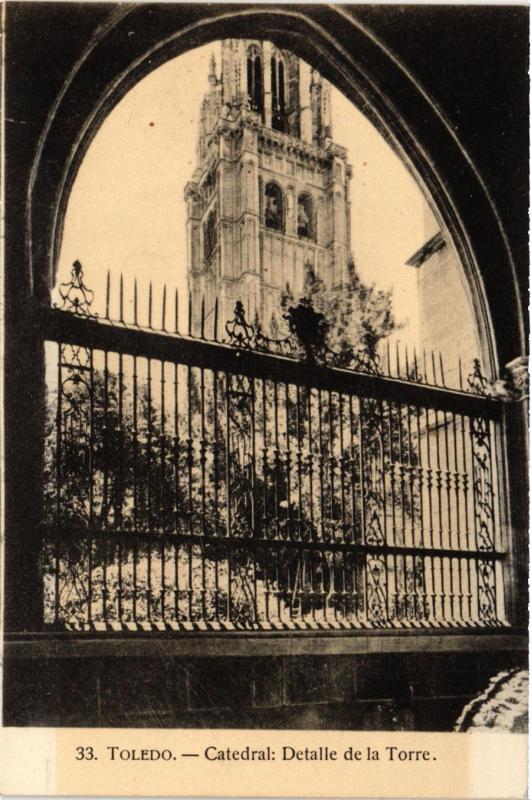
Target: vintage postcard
265,505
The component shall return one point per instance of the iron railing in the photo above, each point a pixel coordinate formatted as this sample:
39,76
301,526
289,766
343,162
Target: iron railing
257,484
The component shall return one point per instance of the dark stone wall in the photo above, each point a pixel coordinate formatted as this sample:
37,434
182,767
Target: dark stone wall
413,691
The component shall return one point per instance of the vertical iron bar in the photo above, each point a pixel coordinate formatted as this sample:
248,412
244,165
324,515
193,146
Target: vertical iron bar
289,523
215,456
342,467
420,479
321,465
429,486
276,461
91,487
149,480
264,460
310,462
299,463
163,500
58,477
412,506
202,462
120,477
136,503
352,468
331,464
438,485
465,482
176,476
107,448
190,461
448,490
457,498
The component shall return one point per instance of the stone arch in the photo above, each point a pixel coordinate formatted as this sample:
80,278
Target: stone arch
327,39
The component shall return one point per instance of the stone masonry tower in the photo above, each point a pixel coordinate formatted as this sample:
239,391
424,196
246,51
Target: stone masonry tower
269,198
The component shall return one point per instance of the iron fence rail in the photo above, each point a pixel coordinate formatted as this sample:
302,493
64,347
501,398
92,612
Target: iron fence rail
192,484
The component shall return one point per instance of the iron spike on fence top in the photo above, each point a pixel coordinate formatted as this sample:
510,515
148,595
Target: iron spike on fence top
150,304
121,298
397,349
176,319
189,313
135,303
76,297
202,322
442,368
164,307
434,368
415,364
216,308
108,295
460,368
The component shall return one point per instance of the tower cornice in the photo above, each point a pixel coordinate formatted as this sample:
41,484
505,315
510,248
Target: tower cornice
283,142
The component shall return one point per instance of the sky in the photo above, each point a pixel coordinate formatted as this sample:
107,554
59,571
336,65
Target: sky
126,212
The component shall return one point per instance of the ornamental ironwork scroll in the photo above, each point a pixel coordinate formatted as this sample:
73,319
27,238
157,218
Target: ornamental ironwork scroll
76,297
307,339
484,515
373,497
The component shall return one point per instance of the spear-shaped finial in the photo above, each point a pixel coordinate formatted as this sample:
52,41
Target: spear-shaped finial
108,294
202,322
121,298
176,320
164,308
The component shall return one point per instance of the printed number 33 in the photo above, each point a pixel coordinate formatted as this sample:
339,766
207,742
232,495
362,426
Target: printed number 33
85,754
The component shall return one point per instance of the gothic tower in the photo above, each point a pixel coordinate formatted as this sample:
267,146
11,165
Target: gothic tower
269,198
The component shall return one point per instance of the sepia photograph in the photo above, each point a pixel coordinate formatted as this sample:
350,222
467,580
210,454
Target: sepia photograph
265,454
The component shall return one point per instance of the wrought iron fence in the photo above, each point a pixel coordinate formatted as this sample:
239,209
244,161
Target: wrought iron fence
260,483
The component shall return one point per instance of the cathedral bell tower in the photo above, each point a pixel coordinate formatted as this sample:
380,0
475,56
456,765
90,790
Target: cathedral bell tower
269,198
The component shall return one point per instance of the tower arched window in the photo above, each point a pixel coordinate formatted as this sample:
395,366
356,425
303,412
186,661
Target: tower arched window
210,235
254,80
273,207
305,217
278,94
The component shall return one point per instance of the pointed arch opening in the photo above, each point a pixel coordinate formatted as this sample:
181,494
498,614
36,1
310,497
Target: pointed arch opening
278,94
273,207
255,91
